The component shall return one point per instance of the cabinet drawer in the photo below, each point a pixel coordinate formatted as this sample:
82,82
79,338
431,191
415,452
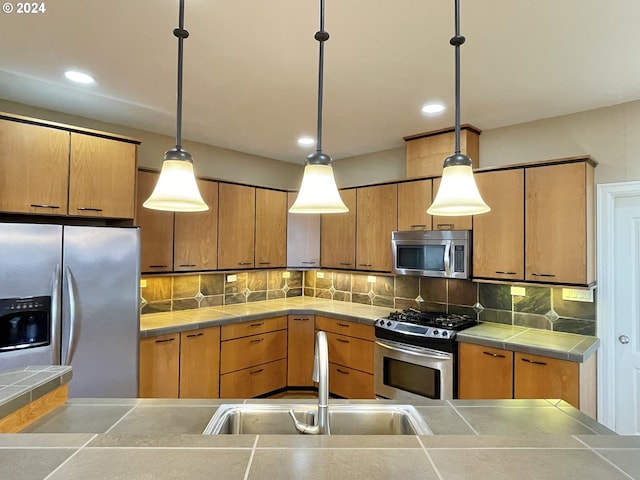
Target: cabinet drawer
349,383
244,329
249,351
544,377
344,327
251,382
350,351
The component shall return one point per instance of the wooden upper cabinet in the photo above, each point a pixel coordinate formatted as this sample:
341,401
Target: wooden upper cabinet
426,152
413,200
498,236
156,228
338,235
102,177
560,223
195,242
376,218
236,226
271,228
464,222
303,237
34,164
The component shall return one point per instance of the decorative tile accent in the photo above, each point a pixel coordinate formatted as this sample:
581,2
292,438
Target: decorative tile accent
199,297
419,299
371,295
552,316
286,288
332,290
478,308
246,292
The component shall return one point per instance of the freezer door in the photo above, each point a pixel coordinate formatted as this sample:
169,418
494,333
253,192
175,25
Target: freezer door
30,257
101,313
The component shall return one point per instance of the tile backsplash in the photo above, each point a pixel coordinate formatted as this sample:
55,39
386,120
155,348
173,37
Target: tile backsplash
539,307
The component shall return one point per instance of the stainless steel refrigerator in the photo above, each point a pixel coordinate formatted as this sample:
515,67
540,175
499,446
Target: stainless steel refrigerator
69,295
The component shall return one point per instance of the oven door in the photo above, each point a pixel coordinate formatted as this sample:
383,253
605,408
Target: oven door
406,372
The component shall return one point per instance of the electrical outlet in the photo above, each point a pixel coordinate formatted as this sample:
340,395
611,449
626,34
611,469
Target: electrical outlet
232,278
371,279
143,283
577,295
319,274
286,274
518,291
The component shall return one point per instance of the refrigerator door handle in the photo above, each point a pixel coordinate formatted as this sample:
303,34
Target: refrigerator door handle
55,315
72,339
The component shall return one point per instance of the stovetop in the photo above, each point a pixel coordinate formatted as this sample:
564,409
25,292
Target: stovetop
411,323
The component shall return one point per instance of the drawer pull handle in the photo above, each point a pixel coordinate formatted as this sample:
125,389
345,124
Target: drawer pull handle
264,263
257,340
301,319
187,265
533,361
542,275
43,205
446,226
158,266
421,225
195,335
344,372
346,325
506,273
496,355
165,340
257,371
348,264
244,263
342,340
364,264
257,324
89,209
309,263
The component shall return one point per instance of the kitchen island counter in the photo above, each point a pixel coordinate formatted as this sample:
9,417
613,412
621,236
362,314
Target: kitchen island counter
153,438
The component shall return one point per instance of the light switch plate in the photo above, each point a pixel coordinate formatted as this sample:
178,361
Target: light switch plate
518,291
286,274
371,279
319,274
577,295
143,283
232,278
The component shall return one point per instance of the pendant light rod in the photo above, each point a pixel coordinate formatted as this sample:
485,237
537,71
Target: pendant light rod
181,34
457,41
321,36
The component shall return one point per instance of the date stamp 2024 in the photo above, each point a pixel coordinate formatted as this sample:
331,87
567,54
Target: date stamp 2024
24,8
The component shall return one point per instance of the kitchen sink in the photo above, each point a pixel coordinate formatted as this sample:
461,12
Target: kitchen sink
344,419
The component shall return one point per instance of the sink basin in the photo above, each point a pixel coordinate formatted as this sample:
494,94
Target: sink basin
347,419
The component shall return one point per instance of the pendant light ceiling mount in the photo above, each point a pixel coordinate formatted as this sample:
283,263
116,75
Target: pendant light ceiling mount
318,191
458,193
177,190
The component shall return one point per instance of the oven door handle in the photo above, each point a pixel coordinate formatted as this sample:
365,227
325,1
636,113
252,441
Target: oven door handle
420,352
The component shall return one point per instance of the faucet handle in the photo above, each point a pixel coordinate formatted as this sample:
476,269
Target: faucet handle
303,427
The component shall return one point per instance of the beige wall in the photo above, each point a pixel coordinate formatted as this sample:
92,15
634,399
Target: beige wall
372,168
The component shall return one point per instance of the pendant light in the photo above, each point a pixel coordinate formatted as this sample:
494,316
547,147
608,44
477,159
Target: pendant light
458,193
177,190
318,191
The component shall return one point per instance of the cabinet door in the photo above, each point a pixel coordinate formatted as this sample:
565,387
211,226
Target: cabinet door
34,162
236,226
464,222
498,236
300,350
271,228
484,372
200,363
349,383
195,241
156,229
338,235
543,377
303,238
377,215
159,366
558,242
413,200
102,177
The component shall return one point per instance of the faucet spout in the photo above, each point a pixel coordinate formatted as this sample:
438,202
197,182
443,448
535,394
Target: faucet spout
320,375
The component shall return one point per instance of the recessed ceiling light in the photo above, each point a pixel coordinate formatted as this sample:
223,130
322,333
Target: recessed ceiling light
432,108
79,77
306,141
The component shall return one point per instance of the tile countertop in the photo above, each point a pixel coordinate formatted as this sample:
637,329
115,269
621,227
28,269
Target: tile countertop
565,346
159,439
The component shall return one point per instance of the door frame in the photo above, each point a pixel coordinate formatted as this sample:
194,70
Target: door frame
605,310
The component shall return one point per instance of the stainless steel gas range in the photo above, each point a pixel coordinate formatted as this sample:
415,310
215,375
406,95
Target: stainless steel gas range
415,354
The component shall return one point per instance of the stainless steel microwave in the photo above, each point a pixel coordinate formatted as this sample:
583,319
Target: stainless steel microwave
432,253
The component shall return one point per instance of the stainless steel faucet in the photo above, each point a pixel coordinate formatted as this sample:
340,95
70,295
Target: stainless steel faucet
320,375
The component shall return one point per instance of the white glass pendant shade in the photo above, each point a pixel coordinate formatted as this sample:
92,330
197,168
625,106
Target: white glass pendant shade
458,194
176,190
318,192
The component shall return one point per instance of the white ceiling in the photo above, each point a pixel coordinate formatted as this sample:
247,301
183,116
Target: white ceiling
250,77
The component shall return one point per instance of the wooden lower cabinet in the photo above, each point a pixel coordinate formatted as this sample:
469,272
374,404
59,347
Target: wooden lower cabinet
200,363
250,351
159,370
254,381
349,383
493,373
300,350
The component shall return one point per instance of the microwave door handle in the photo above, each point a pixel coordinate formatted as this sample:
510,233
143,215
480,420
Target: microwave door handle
447,259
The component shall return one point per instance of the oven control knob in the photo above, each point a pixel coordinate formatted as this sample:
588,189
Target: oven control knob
389,324
444,334
435,333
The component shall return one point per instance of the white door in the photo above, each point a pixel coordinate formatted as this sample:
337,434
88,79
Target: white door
619,306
